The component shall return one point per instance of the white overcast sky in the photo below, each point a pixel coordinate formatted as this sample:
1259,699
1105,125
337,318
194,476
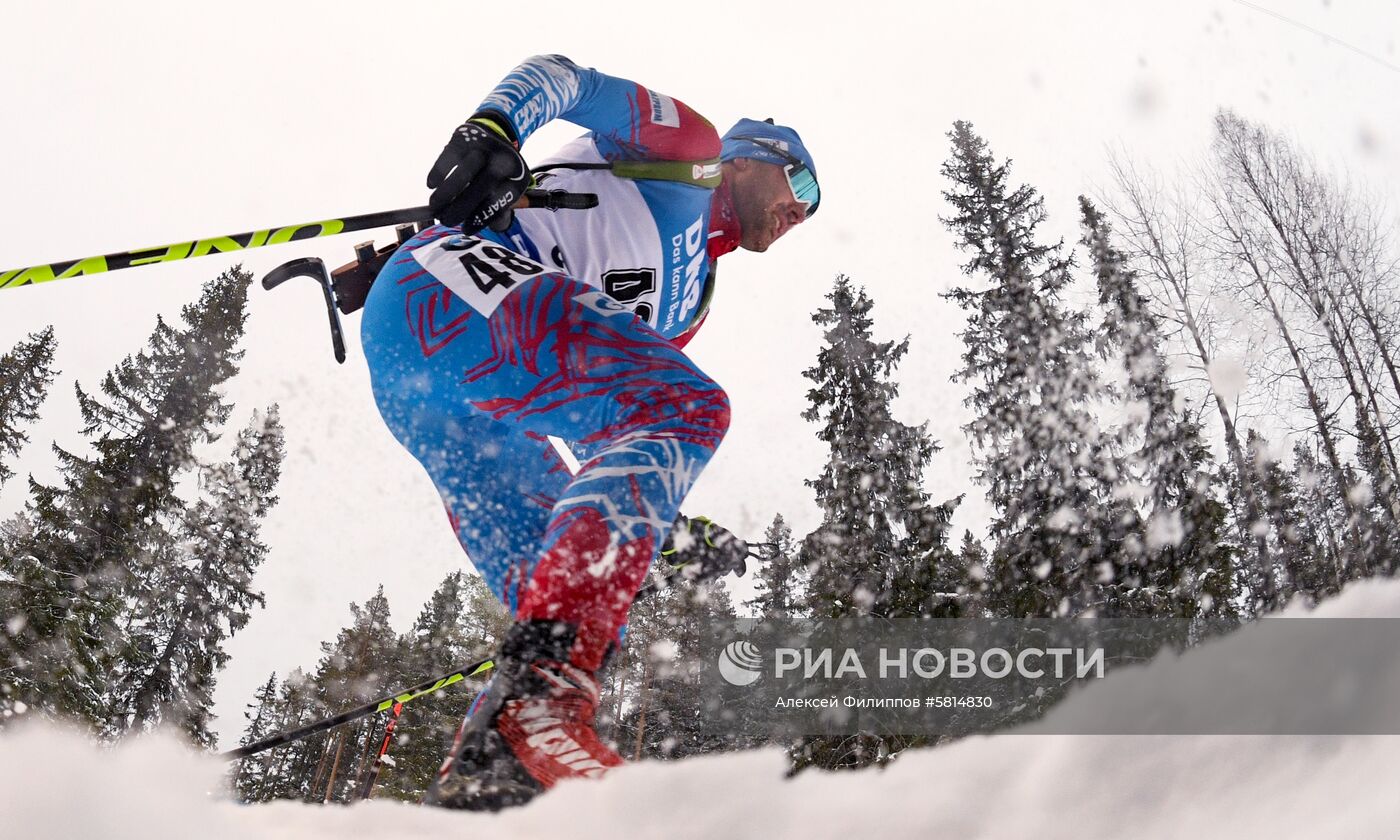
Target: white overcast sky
129,125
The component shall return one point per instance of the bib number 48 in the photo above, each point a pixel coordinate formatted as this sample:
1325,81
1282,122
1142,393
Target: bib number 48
492,267
481,273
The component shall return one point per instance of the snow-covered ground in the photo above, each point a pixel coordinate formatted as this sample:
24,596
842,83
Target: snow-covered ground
1015,785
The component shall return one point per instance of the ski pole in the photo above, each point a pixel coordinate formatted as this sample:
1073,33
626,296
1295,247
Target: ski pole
213,245
379,760
358,712
86,266
430,686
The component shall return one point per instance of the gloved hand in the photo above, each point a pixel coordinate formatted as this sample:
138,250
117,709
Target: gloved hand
479,176
699,550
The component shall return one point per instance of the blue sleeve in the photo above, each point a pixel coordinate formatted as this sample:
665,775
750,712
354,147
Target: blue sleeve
629,121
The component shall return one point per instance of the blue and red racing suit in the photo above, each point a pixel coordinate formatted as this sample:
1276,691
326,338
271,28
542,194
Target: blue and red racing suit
568,324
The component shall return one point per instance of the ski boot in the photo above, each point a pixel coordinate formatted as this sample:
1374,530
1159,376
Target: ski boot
532,726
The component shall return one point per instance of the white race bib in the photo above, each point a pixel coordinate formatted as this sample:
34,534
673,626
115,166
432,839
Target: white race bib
478,271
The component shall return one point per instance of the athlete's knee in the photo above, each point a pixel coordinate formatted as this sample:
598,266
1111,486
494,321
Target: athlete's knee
721,413
694,410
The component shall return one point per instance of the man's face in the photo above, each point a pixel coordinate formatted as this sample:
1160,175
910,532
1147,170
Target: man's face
764,201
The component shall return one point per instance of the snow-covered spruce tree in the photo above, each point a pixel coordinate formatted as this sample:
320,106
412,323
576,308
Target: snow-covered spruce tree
485,618
1324,505
358,666
1300,559
461,623
201,594
294,767
1175,560
91,543
25,374
438,642
631,672
781,588
1321,525
881,548
1047,466
668,716
972,564
252,777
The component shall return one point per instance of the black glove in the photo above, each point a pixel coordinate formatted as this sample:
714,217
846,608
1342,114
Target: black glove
479,177
699,550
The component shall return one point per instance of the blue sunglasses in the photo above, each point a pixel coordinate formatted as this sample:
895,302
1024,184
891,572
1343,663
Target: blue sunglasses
800,179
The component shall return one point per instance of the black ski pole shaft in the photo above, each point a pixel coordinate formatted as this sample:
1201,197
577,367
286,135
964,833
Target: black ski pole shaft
229,243
427,687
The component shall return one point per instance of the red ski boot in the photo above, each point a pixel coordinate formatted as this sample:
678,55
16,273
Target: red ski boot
532,726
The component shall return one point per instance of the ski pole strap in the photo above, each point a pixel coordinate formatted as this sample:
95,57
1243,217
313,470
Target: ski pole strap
559,200
765,551
224,244
699,173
